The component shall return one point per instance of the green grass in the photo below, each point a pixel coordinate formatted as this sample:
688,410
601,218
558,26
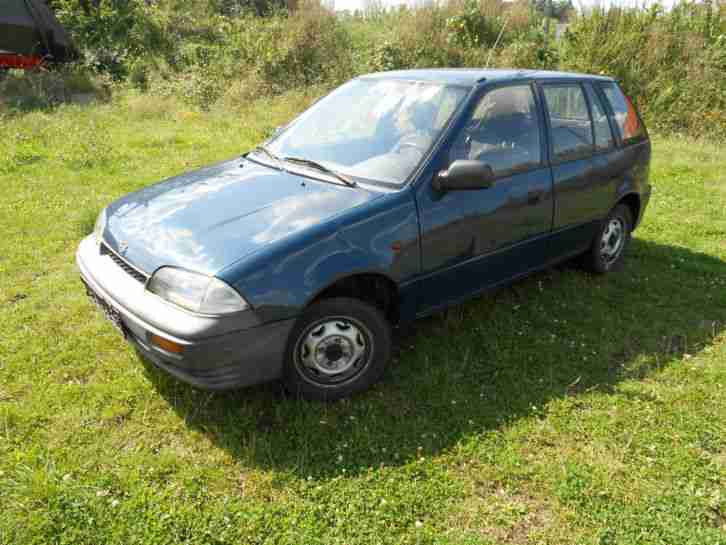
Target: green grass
568,409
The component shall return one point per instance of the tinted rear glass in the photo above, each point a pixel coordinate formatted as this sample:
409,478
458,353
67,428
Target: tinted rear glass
603,135
570,125
626,117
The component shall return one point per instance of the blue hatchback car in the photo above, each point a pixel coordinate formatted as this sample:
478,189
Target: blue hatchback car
391,198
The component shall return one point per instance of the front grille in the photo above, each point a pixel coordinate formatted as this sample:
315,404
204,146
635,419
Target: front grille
128,269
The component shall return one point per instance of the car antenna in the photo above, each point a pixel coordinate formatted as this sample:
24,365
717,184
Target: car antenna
496,43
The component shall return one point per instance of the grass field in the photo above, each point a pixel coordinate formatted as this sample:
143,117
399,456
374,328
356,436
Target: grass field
568,409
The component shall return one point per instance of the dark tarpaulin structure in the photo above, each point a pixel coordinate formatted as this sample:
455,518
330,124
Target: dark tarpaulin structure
31,35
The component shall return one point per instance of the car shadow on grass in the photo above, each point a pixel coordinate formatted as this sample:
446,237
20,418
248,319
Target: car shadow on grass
482,365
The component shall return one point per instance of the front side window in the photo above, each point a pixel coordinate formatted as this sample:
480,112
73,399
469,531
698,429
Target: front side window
375,129
503,131
570,125
626,118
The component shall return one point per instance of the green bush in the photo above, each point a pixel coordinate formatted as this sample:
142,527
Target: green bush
470,27
529,51
111,33
304,47
673,62
45,89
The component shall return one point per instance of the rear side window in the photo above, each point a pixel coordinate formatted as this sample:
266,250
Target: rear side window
570,125
603,135
626,117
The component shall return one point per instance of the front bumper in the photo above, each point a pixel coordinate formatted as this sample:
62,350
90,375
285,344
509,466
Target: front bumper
219,352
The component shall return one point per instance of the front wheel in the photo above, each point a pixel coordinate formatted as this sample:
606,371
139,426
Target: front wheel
338,347
608,248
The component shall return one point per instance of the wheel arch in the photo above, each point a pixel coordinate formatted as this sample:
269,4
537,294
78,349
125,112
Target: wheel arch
633,202
372,287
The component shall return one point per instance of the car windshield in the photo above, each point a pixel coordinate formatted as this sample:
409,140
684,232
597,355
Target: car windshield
371,128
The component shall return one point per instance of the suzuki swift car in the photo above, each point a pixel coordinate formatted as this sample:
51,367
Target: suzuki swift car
393,197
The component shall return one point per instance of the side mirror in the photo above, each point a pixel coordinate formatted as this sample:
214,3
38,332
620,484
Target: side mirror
465,175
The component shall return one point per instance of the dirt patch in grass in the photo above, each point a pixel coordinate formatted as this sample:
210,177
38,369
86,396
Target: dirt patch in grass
501,515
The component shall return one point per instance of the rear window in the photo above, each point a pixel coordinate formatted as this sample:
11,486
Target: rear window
626,117
570,125
604,139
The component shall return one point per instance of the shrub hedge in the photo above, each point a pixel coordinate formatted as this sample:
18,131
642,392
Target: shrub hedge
673,62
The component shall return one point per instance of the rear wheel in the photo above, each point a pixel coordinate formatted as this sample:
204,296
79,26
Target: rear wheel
338,347
608,249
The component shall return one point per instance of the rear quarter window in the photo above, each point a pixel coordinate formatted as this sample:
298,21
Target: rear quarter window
627,121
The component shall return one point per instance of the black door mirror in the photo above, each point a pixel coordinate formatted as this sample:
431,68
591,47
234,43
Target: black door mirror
465,175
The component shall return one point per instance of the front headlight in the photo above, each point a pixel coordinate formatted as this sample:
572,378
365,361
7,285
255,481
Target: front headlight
195,292
100,226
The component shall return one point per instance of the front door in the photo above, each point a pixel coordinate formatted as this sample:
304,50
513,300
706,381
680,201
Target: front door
471,240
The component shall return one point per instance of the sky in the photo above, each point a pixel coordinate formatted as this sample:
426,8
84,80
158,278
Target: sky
352,5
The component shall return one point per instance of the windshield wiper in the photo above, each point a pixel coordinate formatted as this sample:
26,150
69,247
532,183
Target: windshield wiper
266,151
322,168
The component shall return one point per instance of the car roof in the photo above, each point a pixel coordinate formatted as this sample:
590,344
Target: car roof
473,76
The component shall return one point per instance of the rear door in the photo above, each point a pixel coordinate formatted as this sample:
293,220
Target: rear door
582,191
607,158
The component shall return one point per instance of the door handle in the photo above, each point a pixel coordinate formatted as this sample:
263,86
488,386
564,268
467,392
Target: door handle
533,197
600,162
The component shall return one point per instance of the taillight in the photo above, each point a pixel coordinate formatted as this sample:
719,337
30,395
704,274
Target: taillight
631,127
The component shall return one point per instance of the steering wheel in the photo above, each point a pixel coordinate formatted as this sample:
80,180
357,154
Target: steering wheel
409,143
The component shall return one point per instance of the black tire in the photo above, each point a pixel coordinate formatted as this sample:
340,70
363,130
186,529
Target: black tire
363,338
602,258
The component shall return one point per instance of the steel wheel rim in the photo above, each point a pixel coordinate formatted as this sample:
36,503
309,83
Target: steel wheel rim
612,240
333,351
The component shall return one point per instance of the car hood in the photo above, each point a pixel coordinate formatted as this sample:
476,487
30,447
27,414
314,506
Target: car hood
207,219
